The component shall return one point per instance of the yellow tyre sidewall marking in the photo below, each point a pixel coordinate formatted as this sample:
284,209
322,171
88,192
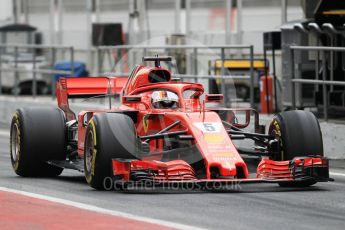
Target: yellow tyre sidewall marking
146,122
279,133
16,163
93,160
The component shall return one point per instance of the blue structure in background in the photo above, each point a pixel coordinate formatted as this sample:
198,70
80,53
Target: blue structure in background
79,69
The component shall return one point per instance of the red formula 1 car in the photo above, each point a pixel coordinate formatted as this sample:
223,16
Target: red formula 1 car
163,133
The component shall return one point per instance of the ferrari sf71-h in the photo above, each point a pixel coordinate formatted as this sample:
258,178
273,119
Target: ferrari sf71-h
164,132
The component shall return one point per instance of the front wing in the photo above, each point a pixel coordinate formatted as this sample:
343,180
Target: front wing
181,173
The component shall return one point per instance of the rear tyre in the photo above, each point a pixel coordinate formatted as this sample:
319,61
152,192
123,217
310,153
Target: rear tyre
37,135
108,136
299,135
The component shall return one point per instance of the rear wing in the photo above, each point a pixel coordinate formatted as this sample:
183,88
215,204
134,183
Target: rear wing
83,87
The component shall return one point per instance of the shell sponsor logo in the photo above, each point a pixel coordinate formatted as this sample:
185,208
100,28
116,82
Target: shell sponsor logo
214,138
223,154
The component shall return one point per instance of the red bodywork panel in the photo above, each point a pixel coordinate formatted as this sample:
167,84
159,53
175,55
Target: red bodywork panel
212,146
267,170
85,87
170,171
91,86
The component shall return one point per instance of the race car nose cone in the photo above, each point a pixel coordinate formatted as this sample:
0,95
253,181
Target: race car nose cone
224,168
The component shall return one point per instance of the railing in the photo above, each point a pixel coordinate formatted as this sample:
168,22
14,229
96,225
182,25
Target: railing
13,51
194,70
194,52
324,82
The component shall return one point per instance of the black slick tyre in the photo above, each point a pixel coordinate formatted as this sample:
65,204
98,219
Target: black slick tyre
299,135
108,136
37,135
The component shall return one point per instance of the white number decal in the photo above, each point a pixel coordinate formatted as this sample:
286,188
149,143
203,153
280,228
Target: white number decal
208,127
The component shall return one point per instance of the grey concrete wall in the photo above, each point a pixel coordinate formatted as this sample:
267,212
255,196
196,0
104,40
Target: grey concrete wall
8,106
333,134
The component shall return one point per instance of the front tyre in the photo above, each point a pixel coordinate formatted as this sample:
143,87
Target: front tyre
108,136
299,135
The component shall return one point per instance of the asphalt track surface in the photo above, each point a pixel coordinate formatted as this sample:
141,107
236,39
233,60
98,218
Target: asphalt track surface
254,206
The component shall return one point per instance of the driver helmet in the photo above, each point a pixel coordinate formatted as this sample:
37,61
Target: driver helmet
163,99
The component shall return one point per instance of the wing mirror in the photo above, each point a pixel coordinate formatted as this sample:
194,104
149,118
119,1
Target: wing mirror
135,100
214,98
131,99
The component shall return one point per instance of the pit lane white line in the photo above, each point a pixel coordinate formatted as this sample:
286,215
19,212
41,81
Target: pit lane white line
336,174
101,210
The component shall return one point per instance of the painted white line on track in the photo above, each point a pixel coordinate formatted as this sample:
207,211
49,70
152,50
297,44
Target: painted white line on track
101,210
336,174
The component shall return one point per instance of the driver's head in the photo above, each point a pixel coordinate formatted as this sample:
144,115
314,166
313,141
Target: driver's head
163,99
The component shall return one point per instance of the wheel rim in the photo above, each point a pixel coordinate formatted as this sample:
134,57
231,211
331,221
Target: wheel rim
90,148
277,134
15,142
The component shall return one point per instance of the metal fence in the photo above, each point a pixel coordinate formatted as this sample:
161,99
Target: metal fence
324,82
12,56
51,53
192,68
